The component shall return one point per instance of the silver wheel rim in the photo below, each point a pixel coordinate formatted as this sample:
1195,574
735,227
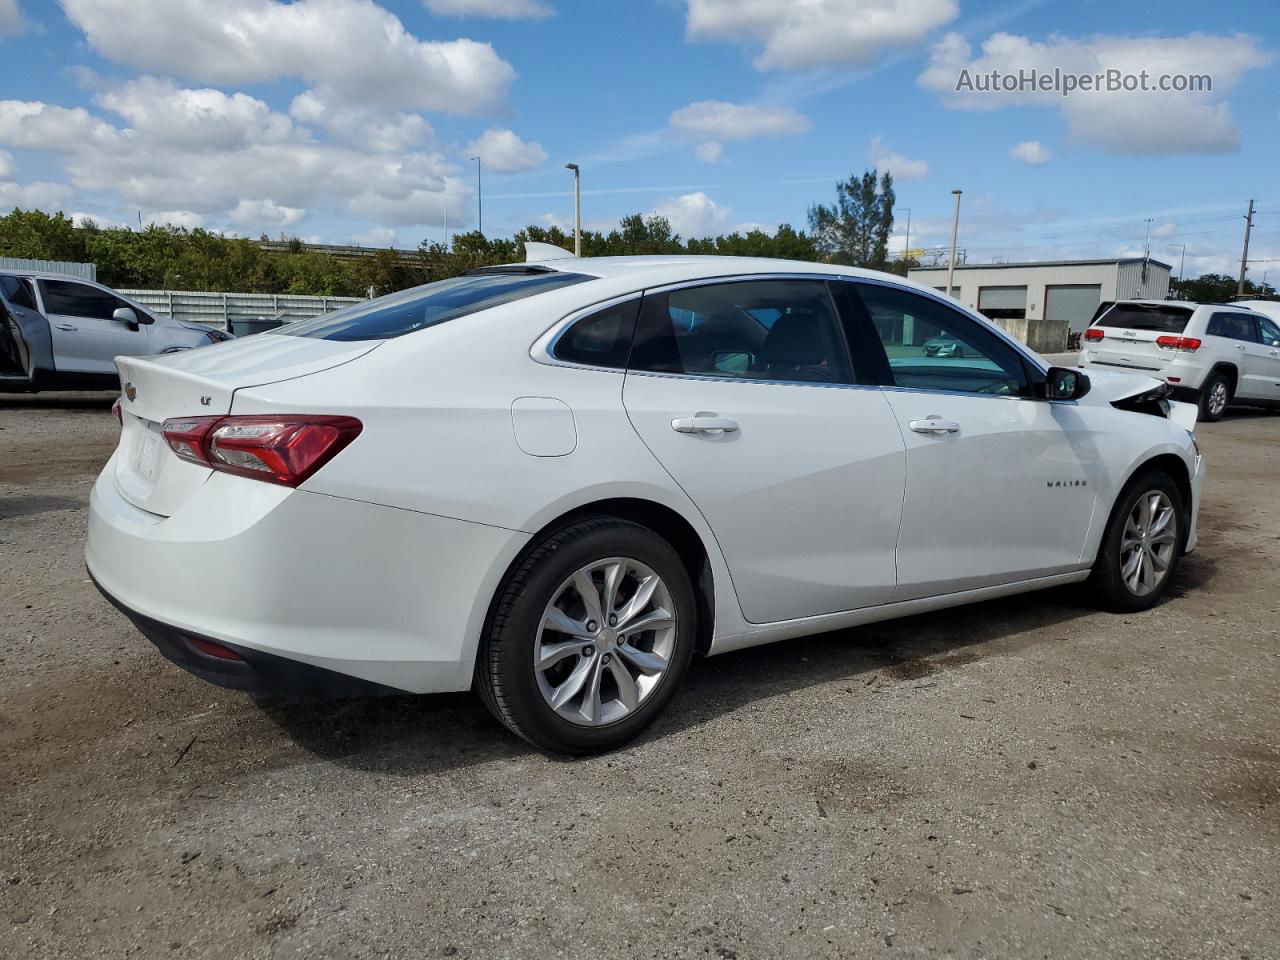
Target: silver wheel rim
1218,398
605,641
1146,548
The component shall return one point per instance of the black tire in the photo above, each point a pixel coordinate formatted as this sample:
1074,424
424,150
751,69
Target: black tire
1106,581
1207,390
505,674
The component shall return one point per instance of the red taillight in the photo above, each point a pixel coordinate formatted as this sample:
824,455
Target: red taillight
212,649
1186,344
1093,334
284,449
117,412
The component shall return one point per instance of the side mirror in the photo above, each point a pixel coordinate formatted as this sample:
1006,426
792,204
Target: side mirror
126,316
1064,383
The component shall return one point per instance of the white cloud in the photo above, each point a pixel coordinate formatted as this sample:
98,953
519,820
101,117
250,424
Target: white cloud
376,237
7,167
716,120
10,18
1119,122
265,213
502,151
175,218
1166,229
495,9
694,215
803,34
33,196
1031,152
883,158
353,51
262,158
390,132
709,152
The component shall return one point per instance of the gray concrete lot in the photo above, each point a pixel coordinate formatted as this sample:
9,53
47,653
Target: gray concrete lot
1023,778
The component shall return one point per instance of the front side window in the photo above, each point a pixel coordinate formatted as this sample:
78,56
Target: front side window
601,339
931,346
781,330
1233,326
1270,332
18,292
420,307
69,299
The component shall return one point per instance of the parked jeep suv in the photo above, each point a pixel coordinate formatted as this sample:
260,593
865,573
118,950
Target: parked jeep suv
62,333
1211,353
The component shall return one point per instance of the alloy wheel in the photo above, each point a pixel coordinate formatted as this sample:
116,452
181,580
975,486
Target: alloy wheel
1148,543
1218,398
605,641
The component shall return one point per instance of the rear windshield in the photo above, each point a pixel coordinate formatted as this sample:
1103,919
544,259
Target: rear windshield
1137,316
399,313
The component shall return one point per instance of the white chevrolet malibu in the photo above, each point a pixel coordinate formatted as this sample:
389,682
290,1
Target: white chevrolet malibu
558,481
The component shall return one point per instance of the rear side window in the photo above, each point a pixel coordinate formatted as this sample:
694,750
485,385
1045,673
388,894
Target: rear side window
399,313
18,292
1141,316
1270,332
1233,326
602,339
780,330
78,300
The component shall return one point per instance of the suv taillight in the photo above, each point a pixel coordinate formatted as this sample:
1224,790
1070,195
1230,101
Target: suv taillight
285,449
1185,344
1093,334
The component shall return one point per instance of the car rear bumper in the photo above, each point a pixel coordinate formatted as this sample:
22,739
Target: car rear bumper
1181,371
391,597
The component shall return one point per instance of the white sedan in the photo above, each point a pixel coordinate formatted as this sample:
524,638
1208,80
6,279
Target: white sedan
557,481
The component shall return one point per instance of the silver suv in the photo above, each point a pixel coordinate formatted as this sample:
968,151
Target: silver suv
1210,353
61,333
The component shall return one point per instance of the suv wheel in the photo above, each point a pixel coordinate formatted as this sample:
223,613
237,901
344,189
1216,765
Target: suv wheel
1214,397
590,637
1142,544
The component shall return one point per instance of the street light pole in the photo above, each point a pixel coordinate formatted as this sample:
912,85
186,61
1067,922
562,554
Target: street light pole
955,229
446,223
479,198
906,246
577,208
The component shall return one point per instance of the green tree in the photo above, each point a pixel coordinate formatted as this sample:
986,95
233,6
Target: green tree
1216,288
855,230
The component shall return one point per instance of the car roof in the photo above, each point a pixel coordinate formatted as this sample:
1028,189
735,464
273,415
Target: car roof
48,275
1188,304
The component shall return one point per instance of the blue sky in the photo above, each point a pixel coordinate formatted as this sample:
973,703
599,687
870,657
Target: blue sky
349,119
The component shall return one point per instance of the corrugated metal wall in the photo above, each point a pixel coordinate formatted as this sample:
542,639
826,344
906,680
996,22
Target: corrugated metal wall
82,271
1129,283
219,309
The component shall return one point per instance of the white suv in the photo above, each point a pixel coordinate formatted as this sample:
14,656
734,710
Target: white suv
1210,353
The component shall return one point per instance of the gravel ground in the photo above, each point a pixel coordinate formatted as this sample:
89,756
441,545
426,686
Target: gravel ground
1015,779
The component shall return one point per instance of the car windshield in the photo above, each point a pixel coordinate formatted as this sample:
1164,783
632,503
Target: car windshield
1139,316
419,307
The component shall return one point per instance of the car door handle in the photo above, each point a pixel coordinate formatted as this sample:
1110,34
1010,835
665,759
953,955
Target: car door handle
703,423
934,426
65,326
1239,346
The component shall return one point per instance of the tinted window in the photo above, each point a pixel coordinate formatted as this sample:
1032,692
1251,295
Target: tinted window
756,329
78,300
399,313
18,292
1270,332
1140,316
1235,326
930,346
602,339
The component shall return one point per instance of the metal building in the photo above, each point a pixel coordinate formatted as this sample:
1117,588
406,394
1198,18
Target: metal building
1042,303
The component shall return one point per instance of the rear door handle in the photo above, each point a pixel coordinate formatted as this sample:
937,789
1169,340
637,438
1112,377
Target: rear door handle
934,426
65,326
703,423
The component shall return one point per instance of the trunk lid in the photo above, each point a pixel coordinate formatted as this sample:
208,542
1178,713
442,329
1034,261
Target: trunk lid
200,383
1129,334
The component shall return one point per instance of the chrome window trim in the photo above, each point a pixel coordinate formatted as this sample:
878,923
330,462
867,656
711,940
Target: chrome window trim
543,349
709,378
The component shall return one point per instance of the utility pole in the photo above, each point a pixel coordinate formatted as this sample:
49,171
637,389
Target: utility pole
577,208
1146,255
906,245
479,198
1244,256
446,223
955,229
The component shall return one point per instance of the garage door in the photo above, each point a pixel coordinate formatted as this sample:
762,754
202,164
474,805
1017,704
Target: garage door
1073,304
1002,303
